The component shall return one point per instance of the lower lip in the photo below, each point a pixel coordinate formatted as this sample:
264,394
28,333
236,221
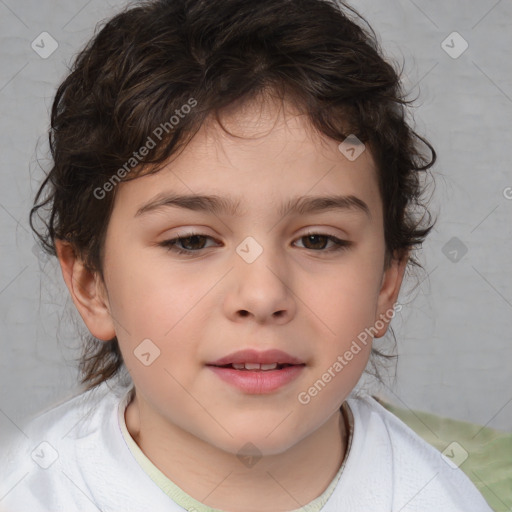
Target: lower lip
258,382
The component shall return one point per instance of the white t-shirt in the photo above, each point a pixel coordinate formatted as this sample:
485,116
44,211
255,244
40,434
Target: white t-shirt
75,457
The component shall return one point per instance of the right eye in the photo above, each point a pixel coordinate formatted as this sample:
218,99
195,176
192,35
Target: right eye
190,239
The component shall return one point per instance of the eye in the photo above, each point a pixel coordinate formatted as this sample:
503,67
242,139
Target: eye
194,242
319,239
190,239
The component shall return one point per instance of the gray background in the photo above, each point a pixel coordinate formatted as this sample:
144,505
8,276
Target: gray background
454,333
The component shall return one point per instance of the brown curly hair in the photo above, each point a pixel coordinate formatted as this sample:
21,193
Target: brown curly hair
149,60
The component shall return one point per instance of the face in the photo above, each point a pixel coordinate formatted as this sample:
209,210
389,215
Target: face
268,277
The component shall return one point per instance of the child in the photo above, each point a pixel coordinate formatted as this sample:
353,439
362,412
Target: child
273,135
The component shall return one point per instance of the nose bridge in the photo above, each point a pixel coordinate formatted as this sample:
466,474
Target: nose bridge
261,277
259,259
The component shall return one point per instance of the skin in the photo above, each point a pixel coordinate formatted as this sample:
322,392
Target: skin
196,309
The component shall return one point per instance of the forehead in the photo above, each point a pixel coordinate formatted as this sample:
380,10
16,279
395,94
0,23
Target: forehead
266,155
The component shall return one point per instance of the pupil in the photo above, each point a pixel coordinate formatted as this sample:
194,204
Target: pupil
311,238
193,237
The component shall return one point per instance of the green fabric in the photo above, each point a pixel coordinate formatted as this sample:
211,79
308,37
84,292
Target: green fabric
489,462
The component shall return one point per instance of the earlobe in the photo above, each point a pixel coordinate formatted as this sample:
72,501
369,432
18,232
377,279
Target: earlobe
388,294
85,289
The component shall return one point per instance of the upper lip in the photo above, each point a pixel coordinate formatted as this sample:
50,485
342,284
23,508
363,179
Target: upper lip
255,356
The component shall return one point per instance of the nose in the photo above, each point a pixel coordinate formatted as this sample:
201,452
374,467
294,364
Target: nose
259,289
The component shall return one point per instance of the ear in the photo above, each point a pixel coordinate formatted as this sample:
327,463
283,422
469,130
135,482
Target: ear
388,294
87,292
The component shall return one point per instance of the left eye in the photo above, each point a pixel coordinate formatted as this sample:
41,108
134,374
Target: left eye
318,240
314,237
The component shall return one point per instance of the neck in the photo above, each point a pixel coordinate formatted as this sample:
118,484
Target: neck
286,481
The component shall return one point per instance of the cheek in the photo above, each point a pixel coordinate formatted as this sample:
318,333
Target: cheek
153,301
152,295
345,307
343,349
345,299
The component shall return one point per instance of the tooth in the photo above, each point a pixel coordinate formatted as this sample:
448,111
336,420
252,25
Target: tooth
238,366
252,366
270,366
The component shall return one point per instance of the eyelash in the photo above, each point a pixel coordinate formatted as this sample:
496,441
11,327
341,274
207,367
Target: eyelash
170,245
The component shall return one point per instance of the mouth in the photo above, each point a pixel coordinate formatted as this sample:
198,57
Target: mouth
256,367
250,359
256,372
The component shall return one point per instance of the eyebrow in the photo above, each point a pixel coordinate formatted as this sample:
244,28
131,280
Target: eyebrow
225,205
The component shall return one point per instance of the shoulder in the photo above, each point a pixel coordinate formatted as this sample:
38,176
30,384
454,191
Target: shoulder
38,464
70,417
391,457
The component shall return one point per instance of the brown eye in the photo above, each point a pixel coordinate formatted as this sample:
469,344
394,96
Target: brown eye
192,241
317,242
188,244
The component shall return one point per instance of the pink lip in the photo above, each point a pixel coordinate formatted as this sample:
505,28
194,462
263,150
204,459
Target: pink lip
258,381
254,356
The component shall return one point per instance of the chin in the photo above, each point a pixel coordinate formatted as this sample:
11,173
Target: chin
255,444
